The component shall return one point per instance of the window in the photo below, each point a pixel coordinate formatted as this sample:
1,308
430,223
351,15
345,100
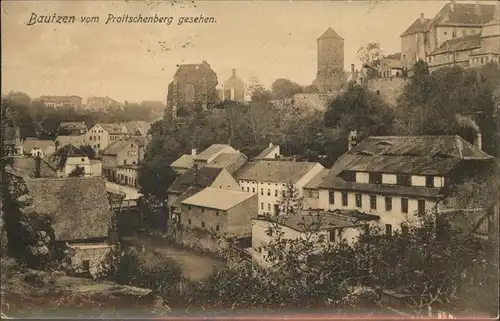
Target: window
98,145
388,204
403,180
350,176
276,192
268,192
261,191
344,199
260,250
217,213
132,145
90,138
454,34
359,200
189,207
375,178
86,265
124,162
203,210
331,197
404,205
253,189
248,189
404,229
242,189
189,221
429,181
373,202
421,207
388,229
332,235
202,224
261,206
217,228
268,206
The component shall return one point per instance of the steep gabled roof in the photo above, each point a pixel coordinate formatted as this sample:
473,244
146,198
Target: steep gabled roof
330,34
274,171
112,128
419,25
230,161
78,207
266,152
466,13
118,146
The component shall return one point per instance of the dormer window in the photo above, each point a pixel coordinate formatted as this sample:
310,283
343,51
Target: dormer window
375,178
403,180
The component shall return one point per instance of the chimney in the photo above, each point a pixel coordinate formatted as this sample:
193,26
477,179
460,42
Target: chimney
422,18
452,5
352,70
234,72
477,8
193,152
270,144
479,140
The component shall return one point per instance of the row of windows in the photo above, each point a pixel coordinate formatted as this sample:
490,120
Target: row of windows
217,228
95,138
373,202
217,212
401,179
97,146
128,180
125,162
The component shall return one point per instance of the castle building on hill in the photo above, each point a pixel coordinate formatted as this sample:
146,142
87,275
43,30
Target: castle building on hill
330,47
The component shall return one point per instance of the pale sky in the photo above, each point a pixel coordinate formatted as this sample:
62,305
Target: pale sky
266,39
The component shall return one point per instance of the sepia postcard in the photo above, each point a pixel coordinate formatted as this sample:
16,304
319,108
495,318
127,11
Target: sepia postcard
254,160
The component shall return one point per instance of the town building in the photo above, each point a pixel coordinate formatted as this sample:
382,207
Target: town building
100,136
224,212
137,128
398,177
454,36
234,88
330,64
193,181
62,101
127,175
269,178
80,214
38,147
322,228
119,153
72,158
183,163
392,66
193,88
100,103
270,153
71,133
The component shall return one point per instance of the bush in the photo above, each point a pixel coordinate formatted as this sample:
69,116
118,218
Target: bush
149,270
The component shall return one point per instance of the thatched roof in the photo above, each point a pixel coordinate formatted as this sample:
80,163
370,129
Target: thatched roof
78,206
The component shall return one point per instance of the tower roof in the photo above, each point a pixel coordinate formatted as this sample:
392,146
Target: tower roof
329,34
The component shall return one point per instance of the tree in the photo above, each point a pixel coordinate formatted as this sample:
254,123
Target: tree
77,172
370,56
258,92
290,201
284,88
357,108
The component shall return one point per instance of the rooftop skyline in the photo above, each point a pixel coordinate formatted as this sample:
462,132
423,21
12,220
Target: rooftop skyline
135,62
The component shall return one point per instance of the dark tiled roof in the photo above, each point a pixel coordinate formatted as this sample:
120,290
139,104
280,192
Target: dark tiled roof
274,171
458,44
419,25
403,154
113,128
201,178
27,167
466,13
63,153
330,33
78,206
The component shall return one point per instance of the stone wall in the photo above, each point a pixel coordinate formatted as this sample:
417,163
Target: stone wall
89,257
389,89
199,240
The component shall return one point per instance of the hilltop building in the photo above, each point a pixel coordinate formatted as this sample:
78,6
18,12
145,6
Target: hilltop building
330,47
193,87
463,34
62,101
234,88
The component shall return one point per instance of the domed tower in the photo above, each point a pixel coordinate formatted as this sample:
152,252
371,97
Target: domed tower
330,59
